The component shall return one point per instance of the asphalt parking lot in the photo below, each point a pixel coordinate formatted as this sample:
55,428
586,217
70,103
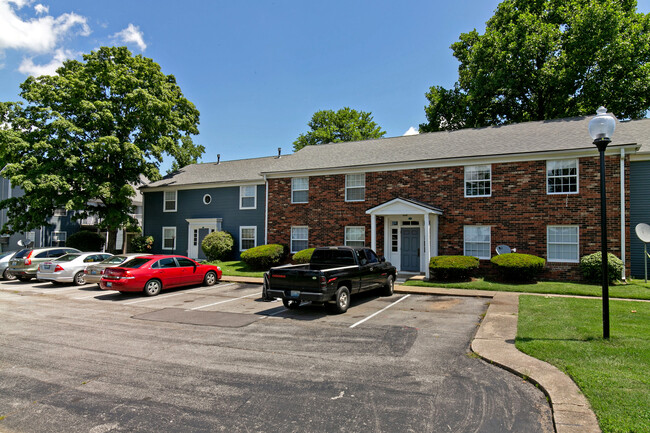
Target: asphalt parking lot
78,359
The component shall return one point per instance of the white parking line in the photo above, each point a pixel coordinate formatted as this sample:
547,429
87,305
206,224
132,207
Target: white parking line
103,292
65,289
153,298
383,309
223,302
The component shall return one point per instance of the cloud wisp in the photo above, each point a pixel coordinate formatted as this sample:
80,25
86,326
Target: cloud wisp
131,34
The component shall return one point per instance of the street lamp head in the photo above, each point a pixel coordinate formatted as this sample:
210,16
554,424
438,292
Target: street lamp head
601,127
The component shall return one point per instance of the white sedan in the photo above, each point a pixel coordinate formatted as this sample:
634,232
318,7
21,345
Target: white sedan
68,268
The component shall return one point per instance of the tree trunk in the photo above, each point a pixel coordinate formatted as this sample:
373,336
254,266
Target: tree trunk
112,241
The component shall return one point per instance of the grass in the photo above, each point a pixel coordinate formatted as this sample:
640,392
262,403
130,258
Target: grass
237,269
612,374
634,289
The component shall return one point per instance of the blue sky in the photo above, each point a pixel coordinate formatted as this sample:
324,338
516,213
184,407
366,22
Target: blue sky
258,70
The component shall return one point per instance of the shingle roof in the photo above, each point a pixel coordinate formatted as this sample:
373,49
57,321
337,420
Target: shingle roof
521,138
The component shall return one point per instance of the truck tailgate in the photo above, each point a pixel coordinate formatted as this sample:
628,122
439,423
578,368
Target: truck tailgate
295,279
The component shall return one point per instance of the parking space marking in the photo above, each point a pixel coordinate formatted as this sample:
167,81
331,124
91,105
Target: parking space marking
64,289
103,292
380,311
223,302
153,298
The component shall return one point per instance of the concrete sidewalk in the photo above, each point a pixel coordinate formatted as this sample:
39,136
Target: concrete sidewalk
495,342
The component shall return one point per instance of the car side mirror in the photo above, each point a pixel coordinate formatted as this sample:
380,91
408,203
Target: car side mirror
382,259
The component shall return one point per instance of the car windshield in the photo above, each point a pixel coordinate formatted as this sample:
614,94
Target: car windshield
135,263
67,258
333,257
22,253
115,260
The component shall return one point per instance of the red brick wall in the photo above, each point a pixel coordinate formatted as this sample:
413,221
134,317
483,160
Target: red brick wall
518,210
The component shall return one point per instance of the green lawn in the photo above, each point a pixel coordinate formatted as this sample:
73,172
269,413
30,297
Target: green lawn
634,289
613,374
237,269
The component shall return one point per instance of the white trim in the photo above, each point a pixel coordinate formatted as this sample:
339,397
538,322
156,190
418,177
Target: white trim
345,236
465,180
198,185
208,197
60,235
165,201
489,242
577,243
622,168
163,238
577,176
299,190
212,224
241,236
241,197
355,187
266,210
292,250
398,206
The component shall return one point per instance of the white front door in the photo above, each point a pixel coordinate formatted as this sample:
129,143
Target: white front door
197,230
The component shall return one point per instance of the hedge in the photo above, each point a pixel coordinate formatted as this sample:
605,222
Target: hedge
453,268
265,256
591,267
518,267
217,245
85,240
303,256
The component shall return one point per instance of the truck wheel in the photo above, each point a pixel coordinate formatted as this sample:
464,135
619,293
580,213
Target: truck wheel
342,299
389,287
291,304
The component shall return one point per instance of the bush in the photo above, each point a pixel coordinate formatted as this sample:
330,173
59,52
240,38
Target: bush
453,268
86,241
218,245
518,267
142,244
264,257
303,256
591,267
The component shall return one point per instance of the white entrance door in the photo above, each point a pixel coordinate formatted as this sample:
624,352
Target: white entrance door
197,230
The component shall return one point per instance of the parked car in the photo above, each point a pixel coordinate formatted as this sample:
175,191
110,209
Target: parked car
151,274
94,272
68,268
24,264
4,265
332,275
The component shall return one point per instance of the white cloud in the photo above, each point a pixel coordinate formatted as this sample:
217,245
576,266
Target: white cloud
38,35
41,9
411,131
132,34
28,67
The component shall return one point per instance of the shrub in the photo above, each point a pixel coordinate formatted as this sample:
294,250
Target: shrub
142,244
518,267
591,267
303,256
86,241
264,257
453,268
217,245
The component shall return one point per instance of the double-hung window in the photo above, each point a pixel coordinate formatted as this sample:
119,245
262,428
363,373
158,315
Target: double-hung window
562,176
355,236
169,201
300,190
169,238
299,238
248,197
477,241
355,187
58,238
247,237
478,181
562,244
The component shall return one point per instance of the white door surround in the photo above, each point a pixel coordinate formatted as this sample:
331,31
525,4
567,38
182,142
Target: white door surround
401,212
193,227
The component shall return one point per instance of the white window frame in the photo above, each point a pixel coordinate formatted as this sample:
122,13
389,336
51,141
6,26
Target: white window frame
295,189
164,238
242,191
471,170
293,250
576,259
207,199
175,201
60,212
577,176
348,187
489,241
58,236
348,230
241,236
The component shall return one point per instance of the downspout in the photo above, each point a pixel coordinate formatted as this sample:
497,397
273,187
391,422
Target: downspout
623,212
266,211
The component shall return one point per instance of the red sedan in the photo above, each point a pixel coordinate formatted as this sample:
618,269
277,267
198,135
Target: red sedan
151,274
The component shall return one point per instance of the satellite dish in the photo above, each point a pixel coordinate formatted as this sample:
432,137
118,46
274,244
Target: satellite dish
643,232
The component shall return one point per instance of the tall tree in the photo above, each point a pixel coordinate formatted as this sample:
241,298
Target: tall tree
346,124
546,59
87,134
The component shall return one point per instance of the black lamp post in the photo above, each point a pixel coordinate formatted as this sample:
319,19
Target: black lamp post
601,129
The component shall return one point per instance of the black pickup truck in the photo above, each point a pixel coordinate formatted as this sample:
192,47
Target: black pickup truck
332,275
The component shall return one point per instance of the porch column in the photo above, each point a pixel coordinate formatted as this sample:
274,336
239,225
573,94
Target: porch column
373,232
427,242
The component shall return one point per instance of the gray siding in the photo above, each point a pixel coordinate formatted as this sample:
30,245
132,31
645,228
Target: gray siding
639,212
224,205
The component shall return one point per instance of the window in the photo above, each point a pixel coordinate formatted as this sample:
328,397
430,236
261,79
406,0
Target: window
169,238
355,236
355,187
393,241
207,199
562,244
478,241
300,190
247,197
165,263
247,237
299,238
562,177
169,201
60,212
58,239
185,263
478,181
